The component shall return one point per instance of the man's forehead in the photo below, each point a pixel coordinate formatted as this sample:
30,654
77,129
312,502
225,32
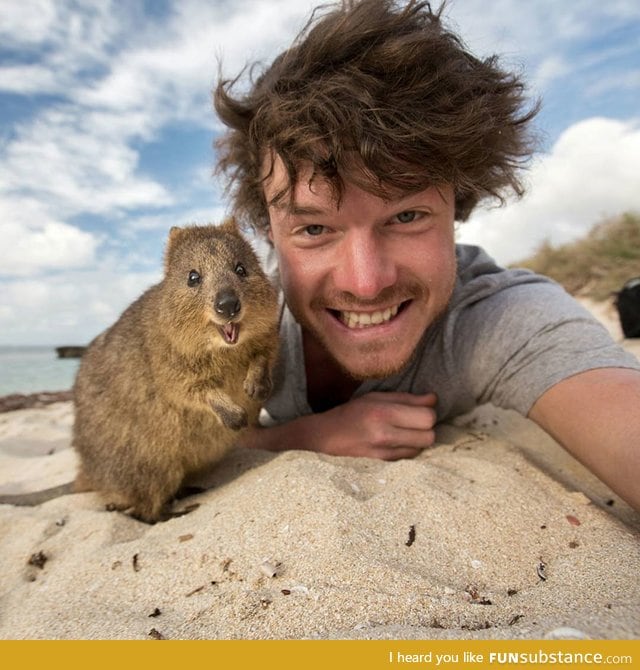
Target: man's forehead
310,193
314,193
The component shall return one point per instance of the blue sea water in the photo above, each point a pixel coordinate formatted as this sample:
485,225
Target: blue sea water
34,369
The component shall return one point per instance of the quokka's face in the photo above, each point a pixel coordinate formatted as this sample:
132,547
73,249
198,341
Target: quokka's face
223,281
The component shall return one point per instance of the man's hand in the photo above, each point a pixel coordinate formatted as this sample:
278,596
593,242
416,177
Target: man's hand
388,426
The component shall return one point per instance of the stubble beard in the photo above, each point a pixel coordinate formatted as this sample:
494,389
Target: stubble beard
373,352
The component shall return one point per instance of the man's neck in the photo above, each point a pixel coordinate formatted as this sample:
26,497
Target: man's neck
328,384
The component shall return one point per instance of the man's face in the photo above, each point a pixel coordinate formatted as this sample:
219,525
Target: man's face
366,278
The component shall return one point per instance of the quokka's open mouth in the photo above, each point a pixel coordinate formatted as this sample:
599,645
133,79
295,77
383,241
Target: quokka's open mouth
230,332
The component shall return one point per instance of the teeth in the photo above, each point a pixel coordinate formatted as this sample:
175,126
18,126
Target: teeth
366,319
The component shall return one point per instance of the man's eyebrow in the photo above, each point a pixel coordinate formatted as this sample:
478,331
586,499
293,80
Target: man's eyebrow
295,210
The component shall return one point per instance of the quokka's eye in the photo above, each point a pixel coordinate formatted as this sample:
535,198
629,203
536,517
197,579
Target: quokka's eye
194,278
240,270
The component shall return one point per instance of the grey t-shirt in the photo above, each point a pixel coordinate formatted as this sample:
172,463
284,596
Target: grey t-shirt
506,337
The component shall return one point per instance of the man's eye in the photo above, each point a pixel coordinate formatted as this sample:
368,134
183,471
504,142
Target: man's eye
314,230
407,217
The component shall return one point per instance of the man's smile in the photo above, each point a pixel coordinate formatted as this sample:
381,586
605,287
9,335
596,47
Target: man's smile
365,319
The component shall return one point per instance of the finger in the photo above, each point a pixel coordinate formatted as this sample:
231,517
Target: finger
412,418
400,438
396,454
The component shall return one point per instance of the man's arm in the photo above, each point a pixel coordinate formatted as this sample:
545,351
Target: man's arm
595,415
389,426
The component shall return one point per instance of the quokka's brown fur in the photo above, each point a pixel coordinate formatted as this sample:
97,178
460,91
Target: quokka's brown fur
166,390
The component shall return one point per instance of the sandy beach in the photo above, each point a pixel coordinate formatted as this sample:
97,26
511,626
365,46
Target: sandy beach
494,533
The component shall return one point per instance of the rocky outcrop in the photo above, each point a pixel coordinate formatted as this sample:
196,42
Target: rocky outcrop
70,351
15,401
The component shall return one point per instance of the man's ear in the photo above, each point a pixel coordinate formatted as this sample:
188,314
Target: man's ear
270,234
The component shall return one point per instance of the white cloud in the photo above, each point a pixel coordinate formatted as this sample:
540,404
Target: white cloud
170,74
33,242
629,80
546,33
78,156
28,79
25,23
550,68
186,217
71,308
59,40
590,173
77,162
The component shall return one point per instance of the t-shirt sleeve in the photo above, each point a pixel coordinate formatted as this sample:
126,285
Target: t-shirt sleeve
518,342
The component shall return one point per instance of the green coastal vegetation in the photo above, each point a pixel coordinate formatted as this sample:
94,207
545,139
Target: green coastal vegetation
597,265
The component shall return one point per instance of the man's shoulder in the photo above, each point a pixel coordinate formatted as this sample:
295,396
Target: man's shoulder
480,277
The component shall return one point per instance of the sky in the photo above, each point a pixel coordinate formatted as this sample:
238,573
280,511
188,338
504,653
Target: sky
106,133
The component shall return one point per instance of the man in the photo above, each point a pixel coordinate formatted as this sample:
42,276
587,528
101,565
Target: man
353,154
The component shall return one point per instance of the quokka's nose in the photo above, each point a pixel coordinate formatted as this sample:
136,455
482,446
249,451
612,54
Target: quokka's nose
227,304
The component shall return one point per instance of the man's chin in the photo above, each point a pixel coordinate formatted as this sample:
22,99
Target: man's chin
369,365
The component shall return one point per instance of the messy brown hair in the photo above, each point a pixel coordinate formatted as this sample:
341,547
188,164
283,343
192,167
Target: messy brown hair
380,94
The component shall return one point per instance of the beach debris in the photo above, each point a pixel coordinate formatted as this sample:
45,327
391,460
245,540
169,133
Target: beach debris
542,570
265,602
299,588
412,536
572,520
512,592
155,634
182,512
515,619
476,598
467,442
476,564
185,538
135,563
196,590
270,568
573,544
296,589
156,612
610,503
566,633
38,559
225,564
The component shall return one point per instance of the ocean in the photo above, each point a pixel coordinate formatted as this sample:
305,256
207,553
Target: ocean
33,369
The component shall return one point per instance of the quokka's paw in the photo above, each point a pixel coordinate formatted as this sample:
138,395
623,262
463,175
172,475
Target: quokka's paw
258,386
234,418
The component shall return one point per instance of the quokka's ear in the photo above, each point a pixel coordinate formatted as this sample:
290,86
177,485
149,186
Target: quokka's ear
175,233
230,225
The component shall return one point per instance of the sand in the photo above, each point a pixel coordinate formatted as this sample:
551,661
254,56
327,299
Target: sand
493,533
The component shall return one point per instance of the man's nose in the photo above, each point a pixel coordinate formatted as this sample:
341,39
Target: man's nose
364,265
